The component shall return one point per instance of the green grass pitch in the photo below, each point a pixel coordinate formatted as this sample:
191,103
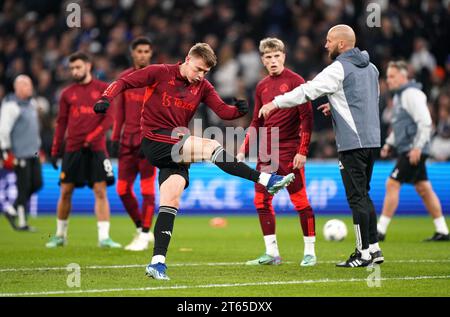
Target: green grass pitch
206,261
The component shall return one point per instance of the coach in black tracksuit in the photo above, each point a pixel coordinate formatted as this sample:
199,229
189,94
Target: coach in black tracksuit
19,136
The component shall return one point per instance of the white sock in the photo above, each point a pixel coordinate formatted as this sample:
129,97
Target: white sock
365,254
158,259
374,247
309,245
61,228
383,224
22,221
103,230
10,210
144,236
271,245
441,226
264,179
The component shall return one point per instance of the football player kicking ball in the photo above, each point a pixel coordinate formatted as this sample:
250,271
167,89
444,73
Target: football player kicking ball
84,160
127,131
172,96
294,128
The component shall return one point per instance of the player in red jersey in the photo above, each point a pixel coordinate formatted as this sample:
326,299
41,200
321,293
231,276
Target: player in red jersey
84,159
173,93
294,128
126,139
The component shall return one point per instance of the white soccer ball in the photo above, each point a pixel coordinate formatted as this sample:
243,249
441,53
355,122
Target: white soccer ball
335,230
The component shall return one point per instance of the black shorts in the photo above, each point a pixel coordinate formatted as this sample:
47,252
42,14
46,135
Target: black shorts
86,167
404,172
159,155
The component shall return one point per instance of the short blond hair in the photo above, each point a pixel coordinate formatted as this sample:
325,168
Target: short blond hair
400,65
205,52
271,44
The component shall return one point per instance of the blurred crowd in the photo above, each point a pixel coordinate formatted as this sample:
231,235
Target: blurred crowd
35,40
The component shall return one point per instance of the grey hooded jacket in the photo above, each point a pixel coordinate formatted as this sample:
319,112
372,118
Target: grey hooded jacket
351,84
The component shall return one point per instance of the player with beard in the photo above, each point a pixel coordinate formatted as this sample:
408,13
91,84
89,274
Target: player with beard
85,160
126,139
351,84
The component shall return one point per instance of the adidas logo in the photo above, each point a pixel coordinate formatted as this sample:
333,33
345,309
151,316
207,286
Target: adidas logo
167,232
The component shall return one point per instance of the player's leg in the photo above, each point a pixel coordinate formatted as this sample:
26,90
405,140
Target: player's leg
299,198
434,208
171,189
23,182
148,175
145,236
353,172
128,169
374,248
197,149
63,210
266,214
390,205
102,211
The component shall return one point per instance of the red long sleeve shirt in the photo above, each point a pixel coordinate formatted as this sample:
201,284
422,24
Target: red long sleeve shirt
294,124
127,119
77,117
170,101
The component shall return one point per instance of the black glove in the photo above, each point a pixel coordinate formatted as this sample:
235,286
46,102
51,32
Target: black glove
101,105
114,149
242,105
54,161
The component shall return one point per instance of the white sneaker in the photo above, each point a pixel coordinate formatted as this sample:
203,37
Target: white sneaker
141,242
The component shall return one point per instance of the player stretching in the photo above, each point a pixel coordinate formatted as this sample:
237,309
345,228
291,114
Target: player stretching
127,129
84,160
295,127
172,96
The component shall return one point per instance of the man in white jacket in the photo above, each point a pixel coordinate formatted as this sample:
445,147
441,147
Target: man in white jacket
351,84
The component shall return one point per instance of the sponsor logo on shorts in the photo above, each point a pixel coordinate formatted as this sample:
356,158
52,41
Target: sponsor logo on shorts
395,173
341,167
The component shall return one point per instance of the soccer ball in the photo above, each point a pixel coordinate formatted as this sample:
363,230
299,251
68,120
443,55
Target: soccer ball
335,230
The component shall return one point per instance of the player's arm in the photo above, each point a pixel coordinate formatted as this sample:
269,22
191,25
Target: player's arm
104,125
138,79
10,111
326,82
119,117
415,103
252,131
62,120
226,112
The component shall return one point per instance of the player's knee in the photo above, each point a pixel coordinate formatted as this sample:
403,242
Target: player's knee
99,192
422,189
262,202
66,194
300,201
209,146
123,187
392,185
147,186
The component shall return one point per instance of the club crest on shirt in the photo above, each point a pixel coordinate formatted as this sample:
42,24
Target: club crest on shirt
73,97
284,88
194,89
172,81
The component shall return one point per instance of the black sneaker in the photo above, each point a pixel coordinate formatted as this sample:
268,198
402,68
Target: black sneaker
355,261
26,228
11,219
381,236
438,237
377,257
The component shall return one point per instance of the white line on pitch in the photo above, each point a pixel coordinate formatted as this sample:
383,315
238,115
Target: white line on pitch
59,268
162,288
